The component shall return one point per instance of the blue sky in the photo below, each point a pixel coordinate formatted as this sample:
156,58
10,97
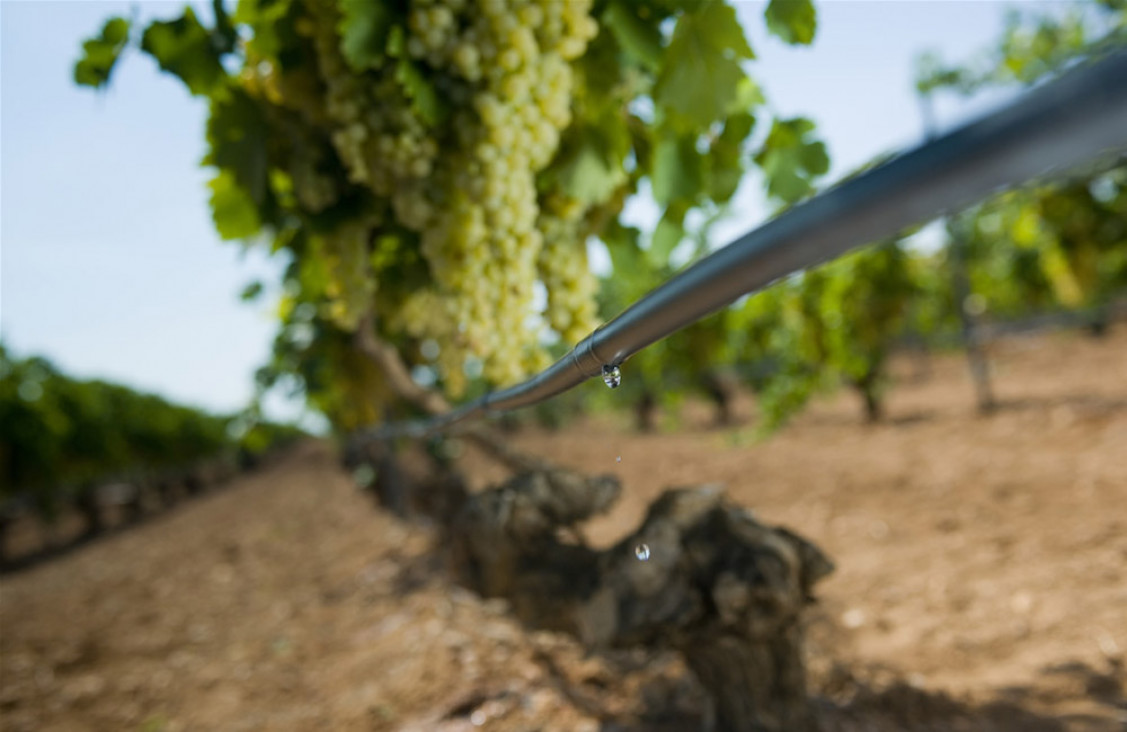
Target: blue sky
108,262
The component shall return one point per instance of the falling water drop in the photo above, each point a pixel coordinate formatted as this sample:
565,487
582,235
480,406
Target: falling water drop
364,476
612,377
642,552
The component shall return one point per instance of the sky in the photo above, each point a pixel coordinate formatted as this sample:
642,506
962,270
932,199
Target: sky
109,265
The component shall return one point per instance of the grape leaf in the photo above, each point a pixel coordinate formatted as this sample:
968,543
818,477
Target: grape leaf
100,54
748,96
589,165
640,142
587,176
677,170
725,162
641,40
396,42
264,17
669,233
184,48
237,134
791,159
700,72
794,21
364,29
599,69
737,128
622,244
232,209
252,291
424,99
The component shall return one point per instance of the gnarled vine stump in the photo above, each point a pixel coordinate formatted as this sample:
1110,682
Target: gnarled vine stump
717,585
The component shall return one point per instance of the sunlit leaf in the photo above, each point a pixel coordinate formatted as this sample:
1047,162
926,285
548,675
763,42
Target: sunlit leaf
185,48
794,21
232,209
424,99
791,159
100,54
589,166
640,39
700,71
364,28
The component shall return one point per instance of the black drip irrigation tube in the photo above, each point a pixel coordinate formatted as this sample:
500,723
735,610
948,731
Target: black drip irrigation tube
1078,118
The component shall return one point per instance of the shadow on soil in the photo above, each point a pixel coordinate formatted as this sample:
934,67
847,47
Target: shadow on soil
1081,406
669,700
1087,405
902,706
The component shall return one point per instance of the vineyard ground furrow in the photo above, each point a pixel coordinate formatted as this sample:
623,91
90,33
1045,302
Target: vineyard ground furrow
979,582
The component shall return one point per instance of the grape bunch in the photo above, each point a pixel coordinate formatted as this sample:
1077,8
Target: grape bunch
465,180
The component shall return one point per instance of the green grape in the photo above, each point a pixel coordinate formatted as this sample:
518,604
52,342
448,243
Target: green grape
565,272
504,66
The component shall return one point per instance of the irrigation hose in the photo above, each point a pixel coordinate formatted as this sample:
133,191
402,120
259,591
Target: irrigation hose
1075,119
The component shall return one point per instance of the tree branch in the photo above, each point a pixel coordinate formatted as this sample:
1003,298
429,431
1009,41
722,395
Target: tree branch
386,359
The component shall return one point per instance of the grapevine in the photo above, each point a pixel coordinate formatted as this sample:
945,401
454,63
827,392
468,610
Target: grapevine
428,165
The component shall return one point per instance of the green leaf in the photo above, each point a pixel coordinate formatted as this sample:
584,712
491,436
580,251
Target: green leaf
232,209
725,157
700,74
424,99
599,71
237,133
724,178
622,243
396,42
791,159
748,96
100,54
271,24
639,139
677,170
364,29
589,166
252,291
794,21
669,233
640,39
184,47
588,177
737,128
814,158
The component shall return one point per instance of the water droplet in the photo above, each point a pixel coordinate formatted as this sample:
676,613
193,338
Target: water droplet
612,377
642,552
618,459
364,476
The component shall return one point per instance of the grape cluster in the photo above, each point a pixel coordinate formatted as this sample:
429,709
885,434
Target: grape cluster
344,252
564,270
465,185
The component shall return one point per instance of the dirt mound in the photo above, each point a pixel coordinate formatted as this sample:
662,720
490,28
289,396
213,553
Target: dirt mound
980,581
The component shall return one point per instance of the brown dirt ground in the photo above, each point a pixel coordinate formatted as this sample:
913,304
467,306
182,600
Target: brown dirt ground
981,582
